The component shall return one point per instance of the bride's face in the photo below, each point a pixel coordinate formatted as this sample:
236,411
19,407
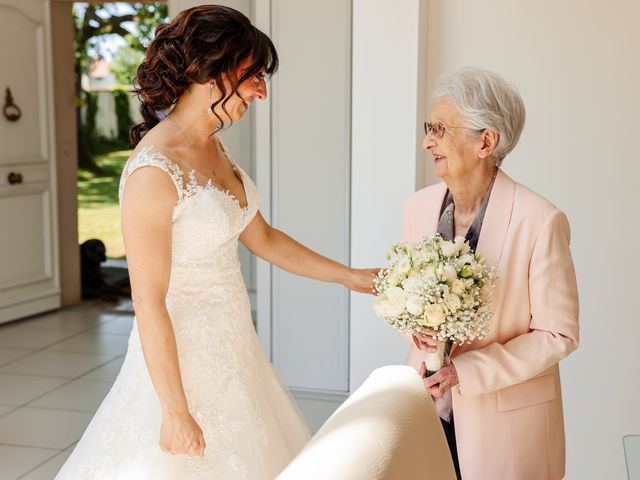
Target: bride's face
238,103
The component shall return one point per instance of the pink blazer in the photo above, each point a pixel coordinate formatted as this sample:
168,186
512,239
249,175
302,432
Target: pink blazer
508,405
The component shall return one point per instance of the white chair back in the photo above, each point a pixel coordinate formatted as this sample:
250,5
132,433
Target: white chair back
387,430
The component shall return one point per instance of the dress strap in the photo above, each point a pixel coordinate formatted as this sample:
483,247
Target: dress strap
222,148
146,158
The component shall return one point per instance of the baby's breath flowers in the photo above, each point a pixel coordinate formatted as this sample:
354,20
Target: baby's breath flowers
438,286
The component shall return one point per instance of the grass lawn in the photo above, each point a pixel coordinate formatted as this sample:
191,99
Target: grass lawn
98,209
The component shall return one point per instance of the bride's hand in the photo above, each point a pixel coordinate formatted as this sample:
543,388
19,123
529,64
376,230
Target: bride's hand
361,280
181,434
426,341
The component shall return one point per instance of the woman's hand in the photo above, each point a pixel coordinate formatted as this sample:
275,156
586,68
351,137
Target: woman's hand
426,341
361,280
181,434
440,382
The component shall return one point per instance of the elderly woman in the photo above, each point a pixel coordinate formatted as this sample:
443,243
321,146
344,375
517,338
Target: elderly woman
499,398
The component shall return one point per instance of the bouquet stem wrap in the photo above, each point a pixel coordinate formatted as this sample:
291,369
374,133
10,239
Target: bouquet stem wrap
434,361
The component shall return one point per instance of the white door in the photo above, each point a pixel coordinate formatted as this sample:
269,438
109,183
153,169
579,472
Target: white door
28,235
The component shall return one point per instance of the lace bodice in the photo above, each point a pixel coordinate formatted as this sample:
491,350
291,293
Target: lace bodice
206,220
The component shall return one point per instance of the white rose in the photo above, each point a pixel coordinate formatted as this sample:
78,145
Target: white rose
392,303
457,287
414,307
434,315
467,258
395,278
448,249
463,247
453,302
410,284
397,301
404,265
450,273
422,321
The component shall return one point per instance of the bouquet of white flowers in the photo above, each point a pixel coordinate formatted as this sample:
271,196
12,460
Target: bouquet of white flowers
438,286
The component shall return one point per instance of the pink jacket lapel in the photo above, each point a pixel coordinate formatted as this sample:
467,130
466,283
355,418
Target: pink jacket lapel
496,219
423,218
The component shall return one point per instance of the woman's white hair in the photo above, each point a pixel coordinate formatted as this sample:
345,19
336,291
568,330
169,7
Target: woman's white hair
485,101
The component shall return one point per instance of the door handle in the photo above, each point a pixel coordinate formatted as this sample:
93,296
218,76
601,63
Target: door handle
14,178
10,110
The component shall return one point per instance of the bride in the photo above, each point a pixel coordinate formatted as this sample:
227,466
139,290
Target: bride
196,398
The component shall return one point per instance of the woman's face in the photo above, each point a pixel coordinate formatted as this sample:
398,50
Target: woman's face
251,89
456,152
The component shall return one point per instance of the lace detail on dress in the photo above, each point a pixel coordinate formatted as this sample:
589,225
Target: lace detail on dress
188,186
155,159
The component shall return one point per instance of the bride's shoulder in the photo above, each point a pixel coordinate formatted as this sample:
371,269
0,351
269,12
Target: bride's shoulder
157,147
149,154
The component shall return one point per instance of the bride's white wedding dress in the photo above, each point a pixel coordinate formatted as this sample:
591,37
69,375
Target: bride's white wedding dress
251,426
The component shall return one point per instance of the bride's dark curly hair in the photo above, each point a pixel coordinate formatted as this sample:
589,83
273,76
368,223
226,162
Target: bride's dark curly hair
201,44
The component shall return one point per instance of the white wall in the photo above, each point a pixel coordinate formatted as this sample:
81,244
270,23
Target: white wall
310,187
388,110
577,66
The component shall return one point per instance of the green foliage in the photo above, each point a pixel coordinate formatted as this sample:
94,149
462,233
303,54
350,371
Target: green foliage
98,211
125,122
103,146
91,100
102,188
125,64
147,17
94,23
134,22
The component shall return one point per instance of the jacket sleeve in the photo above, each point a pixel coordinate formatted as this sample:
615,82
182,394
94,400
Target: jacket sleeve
553,326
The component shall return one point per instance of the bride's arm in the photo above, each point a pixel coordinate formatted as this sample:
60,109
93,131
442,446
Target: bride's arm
147,206
278,248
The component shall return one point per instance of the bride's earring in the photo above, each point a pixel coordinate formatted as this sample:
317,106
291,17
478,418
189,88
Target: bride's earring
209,109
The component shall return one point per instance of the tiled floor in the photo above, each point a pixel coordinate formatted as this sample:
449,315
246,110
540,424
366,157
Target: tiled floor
55,369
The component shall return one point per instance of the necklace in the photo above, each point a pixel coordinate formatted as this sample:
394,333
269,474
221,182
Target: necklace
191,144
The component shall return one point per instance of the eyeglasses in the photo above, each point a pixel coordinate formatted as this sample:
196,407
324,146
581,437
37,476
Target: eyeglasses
439,129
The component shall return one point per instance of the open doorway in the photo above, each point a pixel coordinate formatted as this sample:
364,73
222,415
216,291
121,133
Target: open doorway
109,43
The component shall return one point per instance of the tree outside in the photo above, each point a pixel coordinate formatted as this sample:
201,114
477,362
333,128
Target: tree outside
114,35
